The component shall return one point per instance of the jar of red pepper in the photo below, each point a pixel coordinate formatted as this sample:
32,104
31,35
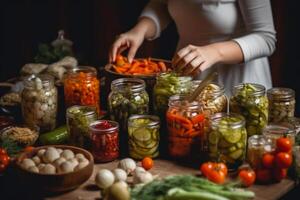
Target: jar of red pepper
105,140
81,87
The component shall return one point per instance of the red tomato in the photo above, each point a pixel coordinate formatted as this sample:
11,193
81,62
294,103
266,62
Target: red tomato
222,167
263,175
247,177
279,174
283,144
3,151
206,168
216,176
283,160
4,159
147,163
268,160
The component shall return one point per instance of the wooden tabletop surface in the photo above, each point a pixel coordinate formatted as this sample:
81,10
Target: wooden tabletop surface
88,191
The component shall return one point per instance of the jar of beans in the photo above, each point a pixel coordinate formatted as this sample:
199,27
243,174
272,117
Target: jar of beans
281,104
39,102
105,140
81,87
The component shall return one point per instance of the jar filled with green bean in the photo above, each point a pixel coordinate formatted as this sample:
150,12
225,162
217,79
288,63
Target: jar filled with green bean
249,100
143,133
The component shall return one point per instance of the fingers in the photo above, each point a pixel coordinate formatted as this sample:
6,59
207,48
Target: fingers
119,45
132,52
181,54
193,65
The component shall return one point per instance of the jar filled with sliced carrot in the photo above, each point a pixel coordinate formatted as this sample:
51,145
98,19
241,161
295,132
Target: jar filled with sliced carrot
185,123
81,87
227,139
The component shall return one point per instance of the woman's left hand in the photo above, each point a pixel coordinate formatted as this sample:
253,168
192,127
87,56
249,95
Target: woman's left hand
192,60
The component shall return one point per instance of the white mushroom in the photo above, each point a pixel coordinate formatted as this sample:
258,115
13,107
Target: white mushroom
36,160
67,154
58,161
66,167
41,152
74,162
50,155
82,160
81,165
79,155
27,162
48,169
59,151
33,169
41,166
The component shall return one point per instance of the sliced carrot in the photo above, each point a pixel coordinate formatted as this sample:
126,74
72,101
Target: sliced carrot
197,119
162,66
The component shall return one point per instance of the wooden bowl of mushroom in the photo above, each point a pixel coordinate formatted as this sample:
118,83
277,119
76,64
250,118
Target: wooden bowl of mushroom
55,168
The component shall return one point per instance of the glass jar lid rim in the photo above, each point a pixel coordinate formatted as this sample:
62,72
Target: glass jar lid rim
220,90
178,100
136,83
281,92
46,79
114,128
259,89
219,116
85,110
84,69
154,120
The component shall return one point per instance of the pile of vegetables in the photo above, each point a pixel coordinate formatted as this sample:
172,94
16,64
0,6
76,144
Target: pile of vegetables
138,67
185,187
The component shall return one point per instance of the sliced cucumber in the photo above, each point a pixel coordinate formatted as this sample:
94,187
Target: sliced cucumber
142,134
236,154
232,136
223,143
213,137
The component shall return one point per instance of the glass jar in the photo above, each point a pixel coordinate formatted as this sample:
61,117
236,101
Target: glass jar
105,140
143,133
227,139
281,104
128,96
258,145
168,84
185,124
277,130
78,120
81,87
39,102
250,101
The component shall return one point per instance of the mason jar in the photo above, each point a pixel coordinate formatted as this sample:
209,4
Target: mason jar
81,87
143,136
168,84
281,104
105,140
249,100
227,139
78,120
258,145
39,102
185,124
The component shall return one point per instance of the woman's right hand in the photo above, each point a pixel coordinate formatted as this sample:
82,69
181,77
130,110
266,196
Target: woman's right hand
131,40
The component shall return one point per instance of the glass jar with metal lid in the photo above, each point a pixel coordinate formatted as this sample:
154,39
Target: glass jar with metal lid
168,84
143,133
185,123
78,120
281,104
249,100
39,102
81,87
227,139
258,145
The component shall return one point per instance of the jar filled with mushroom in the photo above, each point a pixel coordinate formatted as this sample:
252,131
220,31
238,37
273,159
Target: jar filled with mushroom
39,102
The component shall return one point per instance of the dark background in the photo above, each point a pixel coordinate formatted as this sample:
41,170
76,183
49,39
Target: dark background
93,24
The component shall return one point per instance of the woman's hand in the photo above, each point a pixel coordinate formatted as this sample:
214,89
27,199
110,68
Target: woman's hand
131,40
195,59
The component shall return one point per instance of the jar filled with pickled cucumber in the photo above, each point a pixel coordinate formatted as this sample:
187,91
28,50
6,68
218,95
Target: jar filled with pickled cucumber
78,120
168,84
281,104
105,140
274,131
227,139
127,97
143,133
258,145
81,87
249,100
39,102
185,124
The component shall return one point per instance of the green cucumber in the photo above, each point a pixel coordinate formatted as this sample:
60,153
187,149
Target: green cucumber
57,136
236,154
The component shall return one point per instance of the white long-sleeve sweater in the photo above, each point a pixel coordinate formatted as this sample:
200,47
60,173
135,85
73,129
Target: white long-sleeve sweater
202,22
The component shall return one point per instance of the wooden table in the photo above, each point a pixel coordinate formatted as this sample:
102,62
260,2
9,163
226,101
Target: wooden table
88,191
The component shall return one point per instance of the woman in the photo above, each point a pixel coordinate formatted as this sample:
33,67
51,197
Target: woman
233,36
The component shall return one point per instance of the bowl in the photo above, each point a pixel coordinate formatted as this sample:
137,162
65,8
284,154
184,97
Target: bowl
59,182
150,80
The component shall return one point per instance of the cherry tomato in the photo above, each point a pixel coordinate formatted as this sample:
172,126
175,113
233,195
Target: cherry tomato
3,151
216,176
279,174
247,177
263,175
4,159
206,168
268,160
283,160
28,148
222,167
283,144
147,163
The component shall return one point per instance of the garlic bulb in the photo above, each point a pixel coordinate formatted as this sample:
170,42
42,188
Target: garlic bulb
139,170
120,174
104,178
128,165
142,177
